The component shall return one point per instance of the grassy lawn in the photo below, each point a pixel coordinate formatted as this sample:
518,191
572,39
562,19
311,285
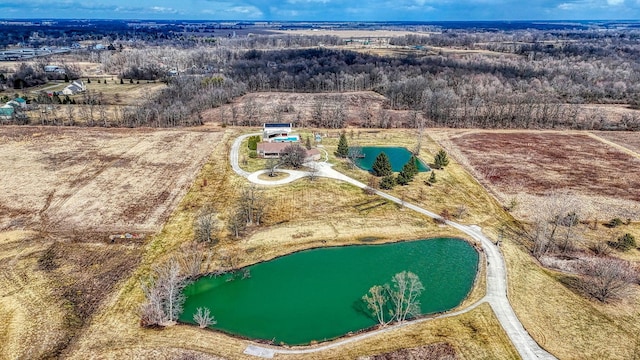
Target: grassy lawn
303,215
307,214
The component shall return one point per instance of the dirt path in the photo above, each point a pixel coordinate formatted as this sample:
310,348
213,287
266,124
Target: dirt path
496,294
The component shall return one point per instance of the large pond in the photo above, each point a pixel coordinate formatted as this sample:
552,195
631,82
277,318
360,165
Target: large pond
398,156
316,294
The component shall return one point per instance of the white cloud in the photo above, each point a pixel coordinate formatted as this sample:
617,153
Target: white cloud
567,6
308,1
163,10
615,2
229,10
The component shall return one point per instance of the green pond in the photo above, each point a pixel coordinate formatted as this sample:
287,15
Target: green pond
398,156
316,294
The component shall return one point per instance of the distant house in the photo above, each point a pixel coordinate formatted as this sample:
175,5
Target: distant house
18,103
77,86
278,132
54,69
271,150
6,112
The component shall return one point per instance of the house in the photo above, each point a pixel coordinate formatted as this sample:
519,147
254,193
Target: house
75,87
278,132
18,103
6,112
273,150
54,69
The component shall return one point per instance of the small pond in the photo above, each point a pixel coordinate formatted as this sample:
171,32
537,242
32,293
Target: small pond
316,294
398,156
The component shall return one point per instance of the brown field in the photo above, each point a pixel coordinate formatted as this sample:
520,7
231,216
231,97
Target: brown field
103,180
268,106
526,165
627,139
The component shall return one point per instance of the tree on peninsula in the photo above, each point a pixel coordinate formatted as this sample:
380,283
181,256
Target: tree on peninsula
399,301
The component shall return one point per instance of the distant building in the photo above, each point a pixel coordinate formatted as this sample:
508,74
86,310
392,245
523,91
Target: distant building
6,112
18,103
77,86
276,131
273,150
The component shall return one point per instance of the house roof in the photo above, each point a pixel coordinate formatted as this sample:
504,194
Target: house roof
20,100
6,111
275,147
278,147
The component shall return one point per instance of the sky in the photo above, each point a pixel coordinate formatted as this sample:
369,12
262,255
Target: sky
326,10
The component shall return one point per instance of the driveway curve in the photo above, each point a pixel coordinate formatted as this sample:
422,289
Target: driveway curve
496,293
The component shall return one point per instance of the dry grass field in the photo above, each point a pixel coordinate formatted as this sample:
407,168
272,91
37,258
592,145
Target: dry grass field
298,107
527,165
63,190
96,179
626,139
300,216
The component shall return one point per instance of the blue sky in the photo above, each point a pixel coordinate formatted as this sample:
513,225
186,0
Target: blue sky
375,10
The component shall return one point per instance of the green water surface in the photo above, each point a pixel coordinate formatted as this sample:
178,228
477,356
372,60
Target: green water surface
398,156
316,294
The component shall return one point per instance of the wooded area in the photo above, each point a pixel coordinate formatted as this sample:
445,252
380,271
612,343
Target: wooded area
454,78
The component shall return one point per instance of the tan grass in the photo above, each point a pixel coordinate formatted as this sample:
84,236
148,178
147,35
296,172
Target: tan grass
302,218
126,180
565,323
475,335
33,317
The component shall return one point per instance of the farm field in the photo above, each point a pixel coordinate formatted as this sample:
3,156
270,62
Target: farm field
627,139
103,180
526,165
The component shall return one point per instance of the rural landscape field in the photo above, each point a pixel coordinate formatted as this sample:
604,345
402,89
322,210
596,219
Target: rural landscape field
145,165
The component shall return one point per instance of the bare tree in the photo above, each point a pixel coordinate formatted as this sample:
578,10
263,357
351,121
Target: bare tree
237,222
355,152
404,293
401,298
204,318
376,301
163,293
608,278
205,225
271,165
252,204
312,174
555,225
293,155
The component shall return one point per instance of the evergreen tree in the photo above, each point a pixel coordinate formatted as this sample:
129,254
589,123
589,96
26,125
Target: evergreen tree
343,147
413,166
121,81
409,171
440,160
388,182
307,143
432,178
381,166
403,179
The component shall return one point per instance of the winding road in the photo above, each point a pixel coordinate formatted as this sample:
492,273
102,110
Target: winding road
496,293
